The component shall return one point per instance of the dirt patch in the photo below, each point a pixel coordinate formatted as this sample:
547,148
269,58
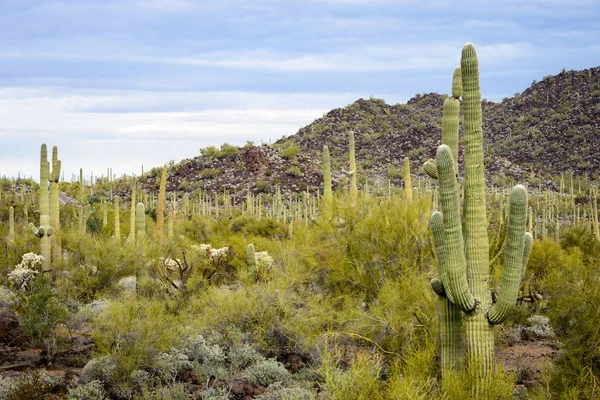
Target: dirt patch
527,359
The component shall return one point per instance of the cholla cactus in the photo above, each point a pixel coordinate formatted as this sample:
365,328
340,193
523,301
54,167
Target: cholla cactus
264,265
25,271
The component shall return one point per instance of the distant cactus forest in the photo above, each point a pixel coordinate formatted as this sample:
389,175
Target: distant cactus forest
448,248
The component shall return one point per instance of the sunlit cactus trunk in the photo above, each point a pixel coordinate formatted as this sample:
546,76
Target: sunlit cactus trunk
140,222
462,246
353,191
251,261
162,199
44,231
327,190
407,181
55,204
11,225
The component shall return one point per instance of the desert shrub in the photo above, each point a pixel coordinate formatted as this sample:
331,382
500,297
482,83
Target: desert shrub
538,326
262,227
209,173
546,255
29,386
37,304
266,372
95,265
356,258
290,152
263,187
573,296
278,391
294,170
92,390
174,391
134,333
582,237
167,366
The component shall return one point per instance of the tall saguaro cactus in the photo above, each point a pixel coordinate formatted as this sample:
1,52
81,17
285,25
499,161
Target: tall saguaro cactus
44,231
170,220
11,224
162,199
353,191
327,191
407,181
55,205
251,260
463,258
132,210
140,222
117,212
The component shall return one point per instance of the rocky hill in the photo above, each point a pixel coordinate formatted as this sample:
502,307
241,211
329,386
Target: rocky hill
550,128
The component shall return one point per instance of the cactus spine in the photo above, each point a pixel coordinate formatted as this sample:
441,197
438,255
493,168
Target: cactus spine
464,259
140,222
251,260
353,192
327,191
44,231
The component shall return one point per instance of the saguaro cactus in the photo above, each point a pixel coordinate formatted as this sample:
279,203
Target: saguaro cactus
162,199
251,260
327,191
117,211
140,222
170,220
463,259
11,224
54,204
353,191
44,231
407,181
131,237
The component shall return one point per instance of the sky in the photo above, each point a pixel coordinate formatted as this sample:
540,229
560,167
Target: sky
127,83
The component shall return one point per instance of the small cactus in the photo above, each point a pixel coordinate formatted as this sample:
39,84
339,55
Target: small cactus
251,260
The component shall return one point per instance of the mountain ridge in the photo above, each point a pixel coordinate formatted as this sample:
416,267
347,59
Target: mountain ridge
550,128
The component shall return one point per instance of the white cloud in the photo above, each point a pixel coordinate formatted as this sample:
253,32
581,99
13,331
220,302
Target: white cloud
126,140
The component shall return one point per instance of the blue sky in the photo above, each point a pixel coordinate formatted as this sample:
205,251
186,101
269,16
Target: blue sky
131,82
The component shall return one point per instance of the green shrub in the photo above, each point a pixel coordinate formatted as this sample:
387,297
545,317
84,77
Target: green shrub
92,390
290,152
573,295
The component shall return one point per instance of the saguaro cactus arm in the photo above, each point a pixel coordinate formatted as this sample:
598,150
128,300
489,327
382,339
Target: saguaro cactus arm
513,259
456,282
527,245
